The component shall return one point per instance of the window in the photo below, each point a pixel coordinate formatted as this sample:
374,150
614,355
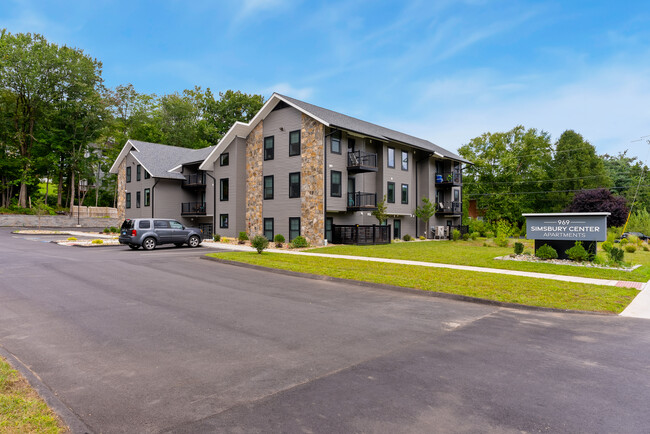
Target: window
390,192
294,143
223,189
147,196
175,225
294,184
268,187
405,160
329,222
294,227
128,174
397,229
335,140
268,228
335,189
160,224
144,224
405,193
351,144
224,159
456,195
138,172
128,199
223,221
269,144
391,157
147,175
137,199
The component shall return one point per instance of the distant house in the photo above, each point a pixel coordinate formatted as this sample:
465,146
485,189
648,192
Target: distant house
294,169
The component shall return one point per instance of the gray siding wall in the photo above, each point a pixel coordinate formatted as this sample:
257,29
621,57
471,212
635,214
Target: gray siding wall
134,186
235,172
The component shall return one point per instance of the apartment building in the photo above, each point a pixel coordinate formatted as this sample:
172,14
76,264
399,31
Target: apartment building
295,169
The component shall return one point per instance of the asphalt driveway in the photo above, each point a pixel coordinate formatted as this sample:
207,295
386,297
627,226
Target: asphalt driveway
135,341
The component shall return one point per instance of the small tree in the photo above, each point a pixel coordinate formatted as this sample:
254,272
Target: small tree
380,212
259,242
601,200
425,212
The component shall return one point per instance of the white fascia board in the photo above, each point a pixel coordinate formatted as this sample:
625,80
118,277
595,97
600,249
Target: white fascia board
176,169
227,139
122,155
140,162
300,109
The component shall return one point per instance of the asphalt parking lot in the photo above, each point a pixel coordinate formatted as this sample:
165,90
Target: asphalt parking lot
163,341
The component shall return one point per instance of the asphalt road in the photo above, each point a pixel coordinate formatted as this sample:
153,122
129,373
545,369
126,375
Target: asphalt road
135,341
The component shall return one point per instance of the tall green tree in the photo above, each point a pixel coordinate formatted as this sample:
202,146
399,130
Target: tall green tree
625,173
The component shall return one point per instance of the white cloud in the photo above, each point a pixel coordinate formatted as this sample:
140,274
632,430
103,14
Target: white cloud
289,90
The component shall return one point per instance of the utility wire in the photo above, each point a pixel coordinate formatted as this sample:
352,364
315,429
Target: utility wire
526,182
546,191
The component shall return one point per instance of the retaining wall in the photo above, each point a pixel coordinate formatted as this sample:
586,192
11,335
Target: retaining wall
56,221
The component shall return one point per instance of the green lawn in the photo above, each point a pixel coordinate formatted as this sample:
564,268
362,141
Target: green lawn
475,254
511,289
21,409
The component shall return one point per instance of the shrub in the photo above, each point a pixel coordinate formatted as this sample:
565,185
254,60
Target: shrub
114,229
600,259
97,241
630,248
614,233
299,242
106,230
243,237
465,237
422,238
645,248
72,239
455,235
279,239
476,226
546,252
624,241
489,234
606,246
519,248
616,255
577,252
407,237
474,235
485,244
216,238
633,239
259,242
501,241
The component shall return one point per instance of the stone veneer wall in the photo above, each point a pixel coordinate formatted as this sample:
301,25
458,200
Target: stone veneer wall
312,217
254,177
121,188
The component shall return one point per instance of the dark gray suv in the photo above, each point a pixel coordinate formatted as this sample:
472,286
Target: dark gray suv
149,233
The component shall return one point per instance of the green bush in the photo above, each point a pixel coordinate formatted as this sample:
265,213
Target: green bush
259,242
630,248
606,246
489,234
114,229
476,226
519,248
616,255
407,237
106,230
546,252
501,241
624,241
299,242
600,259
216,238
465,237
614,233
243,237
97,241
474,235
279,240
455,235
639,221
577,252
645,248
422,237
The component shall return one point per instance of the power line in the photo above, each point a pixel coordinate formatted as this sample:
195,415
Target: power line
546,191
531,181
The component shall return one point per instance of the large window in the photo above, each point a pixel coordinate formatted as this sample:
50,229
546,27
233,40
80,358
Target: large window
294,227
268,187
128,199
268,229
390,192
391,157
138,172
335,140
223,221
128,174
269,145
405,160
224,159
294,143
224,189
336,189
147,196
294,184
137,199
405,193
456,195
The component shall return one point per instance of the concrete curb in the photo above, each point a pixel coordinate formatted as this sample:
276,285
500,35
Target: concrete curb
66,414
406,290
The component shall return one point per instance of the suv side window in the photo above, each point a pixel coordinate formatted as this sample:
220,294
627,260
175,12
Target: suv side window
175,225
160,224
144,224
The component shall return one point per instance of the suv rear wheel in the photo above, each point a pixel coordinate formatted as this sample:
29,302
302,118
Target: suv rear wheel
194,241
149,243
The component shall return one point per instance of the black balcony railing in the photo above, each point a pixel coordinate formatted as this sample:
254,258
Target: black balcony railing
194,180
362,201
448,208
448,178
360,161
193,208
360,234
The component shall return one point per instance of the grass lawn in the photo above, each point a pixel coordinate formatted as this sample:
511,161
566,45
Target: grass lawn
511,289
21,409
475,254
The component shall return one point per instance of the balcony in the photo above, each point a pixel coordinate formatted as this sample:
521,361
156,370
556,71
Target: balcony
360,161
360,201
449,208
448,179
195,181
193,208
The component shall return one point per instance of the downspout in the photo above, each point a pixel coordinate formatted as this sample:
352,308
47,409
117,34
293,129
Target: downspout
214,203
153,195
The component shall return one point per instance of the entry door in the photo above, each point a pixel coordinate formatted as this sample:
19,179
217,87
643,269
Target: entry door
397,229
329,221
351,190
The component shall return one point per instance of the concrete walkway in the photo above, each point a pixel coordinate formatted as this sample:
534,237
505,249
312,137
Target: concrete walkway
639,307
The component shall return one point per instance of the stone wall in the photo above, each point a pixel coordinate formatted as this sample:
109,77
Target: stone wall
56,221
254,179
312,217
121,188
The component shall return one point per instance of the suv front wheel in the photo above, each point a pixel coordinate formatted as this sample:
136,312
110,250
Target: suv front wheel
194,241
149,243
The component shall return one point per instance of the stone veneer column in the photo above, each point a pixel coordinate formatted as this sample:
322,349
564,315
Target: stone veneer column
254,176
312,200
121,190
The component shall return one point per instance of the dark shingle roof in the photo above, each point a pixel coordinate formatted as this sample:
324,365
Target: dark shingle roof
349,123
159,159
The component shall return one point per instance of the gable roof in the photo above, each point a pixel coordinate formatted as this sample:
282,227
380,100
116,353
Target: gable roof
330,119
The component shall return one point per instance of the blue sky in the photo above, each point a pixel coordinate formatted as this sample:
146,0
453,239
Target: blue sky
446,71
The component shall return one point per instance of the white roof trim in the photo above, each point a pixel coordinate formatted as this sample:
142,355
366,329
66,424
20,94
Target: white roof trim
300,109
175,169
143,166
123,153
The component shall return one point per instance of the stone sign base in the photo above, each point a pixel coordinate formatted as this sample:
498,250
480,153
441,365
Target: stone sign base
561,246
